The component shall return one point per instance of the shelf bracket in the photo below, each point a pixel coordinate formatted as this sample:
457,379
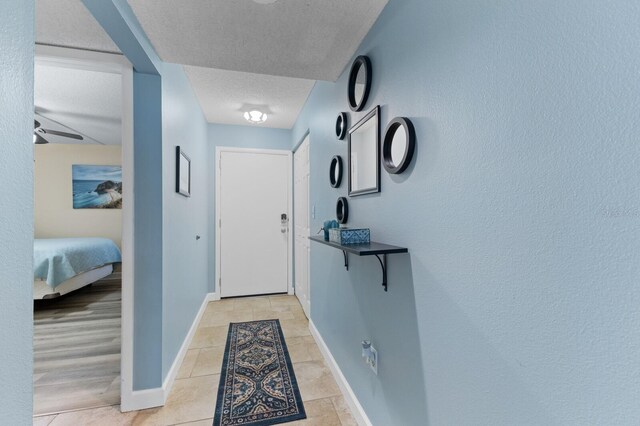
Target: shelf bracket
370,249
346,260
383,265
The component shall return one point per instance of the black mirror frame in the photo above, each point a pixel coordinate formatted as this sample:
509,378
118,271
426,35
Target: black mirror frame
389,133
335,162
360,61
342,125
180,153
375,112
342,210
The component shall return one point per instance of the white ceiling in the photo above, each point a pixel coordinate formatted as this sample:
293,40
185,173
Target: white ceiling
86,102
225,95
68,23
312,39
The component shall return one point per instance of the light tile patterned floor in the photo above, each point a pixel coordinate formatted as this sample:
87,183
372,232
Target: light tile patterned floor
193,397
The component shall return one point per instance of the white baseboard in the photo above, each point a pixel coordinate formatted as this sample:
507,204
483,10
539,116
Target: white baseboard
142,399
177,362
156,397
356,409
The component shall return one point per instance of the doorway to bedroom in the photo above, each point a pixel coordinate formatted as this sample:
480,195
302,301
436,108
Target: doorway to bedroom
82,237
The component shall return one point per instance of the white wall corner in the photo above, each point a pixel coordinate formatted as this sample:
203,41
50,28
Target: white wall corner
143,399
350,397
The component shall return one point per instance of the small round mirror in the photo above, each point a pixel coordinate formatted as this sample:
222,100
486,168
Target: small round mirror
335,171
359,83
361,79
341,125
342,210
398,145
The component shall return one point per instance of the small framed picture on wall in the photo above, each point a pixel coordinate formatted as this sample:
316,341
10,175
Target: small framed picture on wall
183,173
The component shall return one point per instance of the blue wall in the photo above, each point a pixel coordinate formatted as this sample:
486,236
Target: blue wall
251,136
148,220
518,301
186,261
238,137
16,210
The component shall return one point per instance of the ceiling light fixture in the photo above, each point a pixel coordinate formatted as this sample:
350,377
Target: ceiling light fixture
255,116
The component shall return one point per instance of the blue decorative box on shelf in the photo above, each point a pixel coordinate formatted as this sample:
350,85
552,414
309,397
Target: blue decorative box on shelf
350,236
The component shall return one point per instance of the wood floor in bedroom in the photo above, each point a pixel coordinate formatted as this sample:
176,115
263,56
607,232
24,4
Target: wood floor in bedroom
76,341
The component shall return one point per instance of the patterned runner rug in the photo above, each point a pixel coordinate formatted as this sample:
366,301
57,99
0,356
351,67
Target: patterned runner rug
257,384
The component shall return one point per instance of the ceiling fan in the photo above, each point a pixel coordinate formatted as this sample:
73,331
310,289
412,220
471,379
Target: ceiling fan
39,134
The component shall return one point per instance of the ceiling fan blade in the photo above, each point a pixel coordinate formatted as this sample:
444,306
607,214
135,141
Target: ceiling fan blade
63,134
36,124
40,140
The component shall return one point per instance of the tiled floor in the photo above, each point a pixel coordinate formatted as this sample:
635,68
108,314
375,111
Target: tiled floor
193,397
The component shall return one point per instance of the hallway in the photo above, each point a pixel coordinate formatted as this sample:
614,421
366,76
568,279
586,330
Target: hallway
193,397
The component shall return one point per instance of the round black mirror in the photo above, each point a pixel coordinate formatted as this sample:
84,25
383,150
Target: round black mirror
359,83
398,145
342,210
335,171
341,125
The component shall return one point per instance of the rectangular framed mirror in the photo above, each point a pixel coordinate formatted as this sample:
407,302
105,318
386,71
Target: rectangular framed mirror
364,155
183,173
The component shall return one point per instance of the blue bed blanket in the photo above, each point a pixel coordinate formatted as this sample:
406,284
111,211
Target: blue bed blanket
58,259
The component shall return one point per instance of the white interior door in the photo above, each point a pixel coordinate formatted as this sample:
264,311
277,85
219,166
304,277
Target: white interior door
254,238
302,232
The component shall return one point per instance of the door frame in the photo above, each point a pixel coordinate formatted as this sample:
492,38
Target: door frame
289,155
309,208
116,64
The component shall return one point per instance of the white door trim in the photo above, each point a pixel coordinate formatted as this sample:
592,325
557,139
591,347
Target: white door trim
307,136
289,154
117,64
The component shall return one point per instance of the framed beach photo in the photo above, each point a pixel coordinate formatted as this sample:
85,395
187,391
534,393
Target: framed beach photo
96,187
183,173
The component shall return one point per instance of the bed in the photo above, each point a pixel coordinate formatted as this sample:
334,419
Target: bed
62,265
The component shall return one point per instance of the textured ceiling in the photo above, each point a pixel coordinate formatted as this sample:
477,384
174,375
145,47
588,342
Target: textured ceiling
225,95
87,102
68,23
312,39
243,44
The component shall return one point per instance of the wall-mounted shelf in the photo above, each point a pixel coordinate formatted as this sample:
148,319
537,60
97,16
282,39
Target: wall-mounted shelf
371,249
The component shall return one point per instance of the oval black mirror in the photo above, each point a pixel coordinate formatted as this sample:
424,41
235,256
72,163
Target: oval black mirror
398,145
335,171
341,125
342,210
359,83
